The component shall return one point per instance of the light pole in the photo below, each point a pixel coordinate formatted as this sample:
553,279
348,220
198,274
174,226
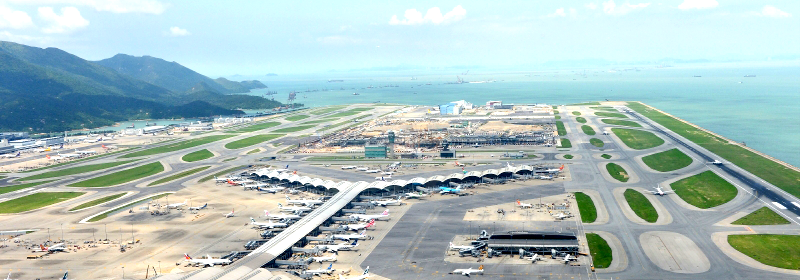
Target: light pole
159,267
123,273
106,228
62,231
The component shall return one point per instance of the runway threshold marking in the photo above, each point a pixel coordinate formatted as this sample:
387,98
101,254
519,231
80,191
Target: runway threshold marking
779,205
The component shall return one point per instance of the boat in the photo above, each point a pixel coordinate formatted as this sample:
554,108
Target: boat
133,125
697,76
749,76
356,93
335,81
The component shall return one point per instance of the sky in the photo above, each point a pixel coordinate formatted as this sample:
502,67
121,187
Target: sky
223,38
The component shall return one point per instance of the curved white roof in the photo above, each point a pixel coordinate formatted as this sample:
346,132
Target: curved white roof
400,183
473,174
489,172
305,180
377,185
458,176
438,178
417,180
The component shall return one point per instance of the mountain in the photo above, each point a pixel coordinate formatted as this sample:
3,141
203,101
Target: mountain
168,75
239,87
50,90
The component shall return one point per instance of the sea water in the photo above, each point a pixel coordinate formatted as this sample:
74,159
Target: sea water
762,111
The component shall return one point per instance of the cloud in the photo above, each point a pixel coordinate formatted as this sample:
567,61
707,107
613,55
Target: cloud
770,11
114,6
561,12
338,40
25,39
434,16
698,4
611,8
591,6
69,20
14,19
177,31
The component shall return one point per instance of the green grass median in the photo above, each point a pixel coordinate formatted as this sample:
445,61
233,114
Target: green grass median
585,104
221,173
13,188
252,140
178,176
197,156
667,161
112,211
576,113
762,217
641,206
638,139
605,156
616,171
771,249
610,115
588,130
580,119
597,142
296,117
319,121
561,129
558,117
121,177
621,122
705,190
36,201
75,170
350,112
253,151
257,127
565,143
326,110
586,207
601,252
178,146
71,162
97,201
604,108
568,156
294,129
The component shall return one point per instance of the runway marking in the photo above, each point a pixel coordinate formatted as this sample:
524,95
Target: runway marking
779,205
796,204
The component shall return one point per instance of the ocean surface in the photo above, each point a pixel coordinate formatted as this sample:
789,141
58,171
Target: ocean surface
762,111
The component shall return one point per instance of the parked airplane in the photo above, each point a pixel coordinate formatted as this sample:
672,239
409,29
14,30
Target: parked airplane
660,192
365,217
69,155
524,205
415,195
306,202
293,208
54,157
568,258
459,164
55,248
267,224
454,247
561,216
177,205
446,190
385,203
373,171
13,156
231,214
388,174
87,152
341,247
348,237
199,208
533,258
225,179
363,276
280,216
555,170
317,272
468,271
349,167
362,169
357,227
716,162
331,258
383,178
206,262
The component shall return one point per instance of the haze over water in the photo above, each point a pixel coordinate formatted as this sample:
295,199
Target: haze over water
763,111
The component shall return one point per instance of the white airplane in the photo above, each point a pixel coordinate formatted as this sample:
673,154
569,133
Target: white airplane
12,155
415,195
362,169
533,258
373,171
384,203
331,258
568,258
177,205
271,190
365,217
388,174
280,216
54,157
561,216
69,155
293,208
55,248
8,277
306,202
363,276
225,179
349,167
524,205
555,170
716,162
660,192
383,178
360,226
317,272
341,247
231,214
255,186
87,152
468,271
65,276
267,224
454,247
206,262
348,237
199,208
459,164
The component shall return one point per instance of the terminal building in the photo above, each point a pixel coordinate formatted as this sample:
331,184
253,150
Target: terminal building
540,242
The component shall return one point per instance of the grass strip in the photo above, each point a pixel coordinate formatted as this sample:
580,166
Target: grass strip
178,176
568,156
223,172
621,122
565,143
13,188
605,156
294,129
75,170
762,217
326,110
36,201
610,115
638,139
604,108
296,117
597,142
350,112
576,113
616,171
178,146
558,117
561,129
555,112
601,252
588,130
667,161
585,104
80,160
254,151
771,249
198,155
586,207
97,201
258,127
252,140
705,190
765,168
641,206
228,159
319,121
580,119
121,177
112,211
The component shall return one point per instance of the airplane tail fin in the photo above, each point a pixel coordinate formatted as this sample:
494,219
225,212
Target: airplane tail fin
280,205
185,255
480,267
355,242
330,266
252,220
65,275
366,271
385,212
266,213
562,167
